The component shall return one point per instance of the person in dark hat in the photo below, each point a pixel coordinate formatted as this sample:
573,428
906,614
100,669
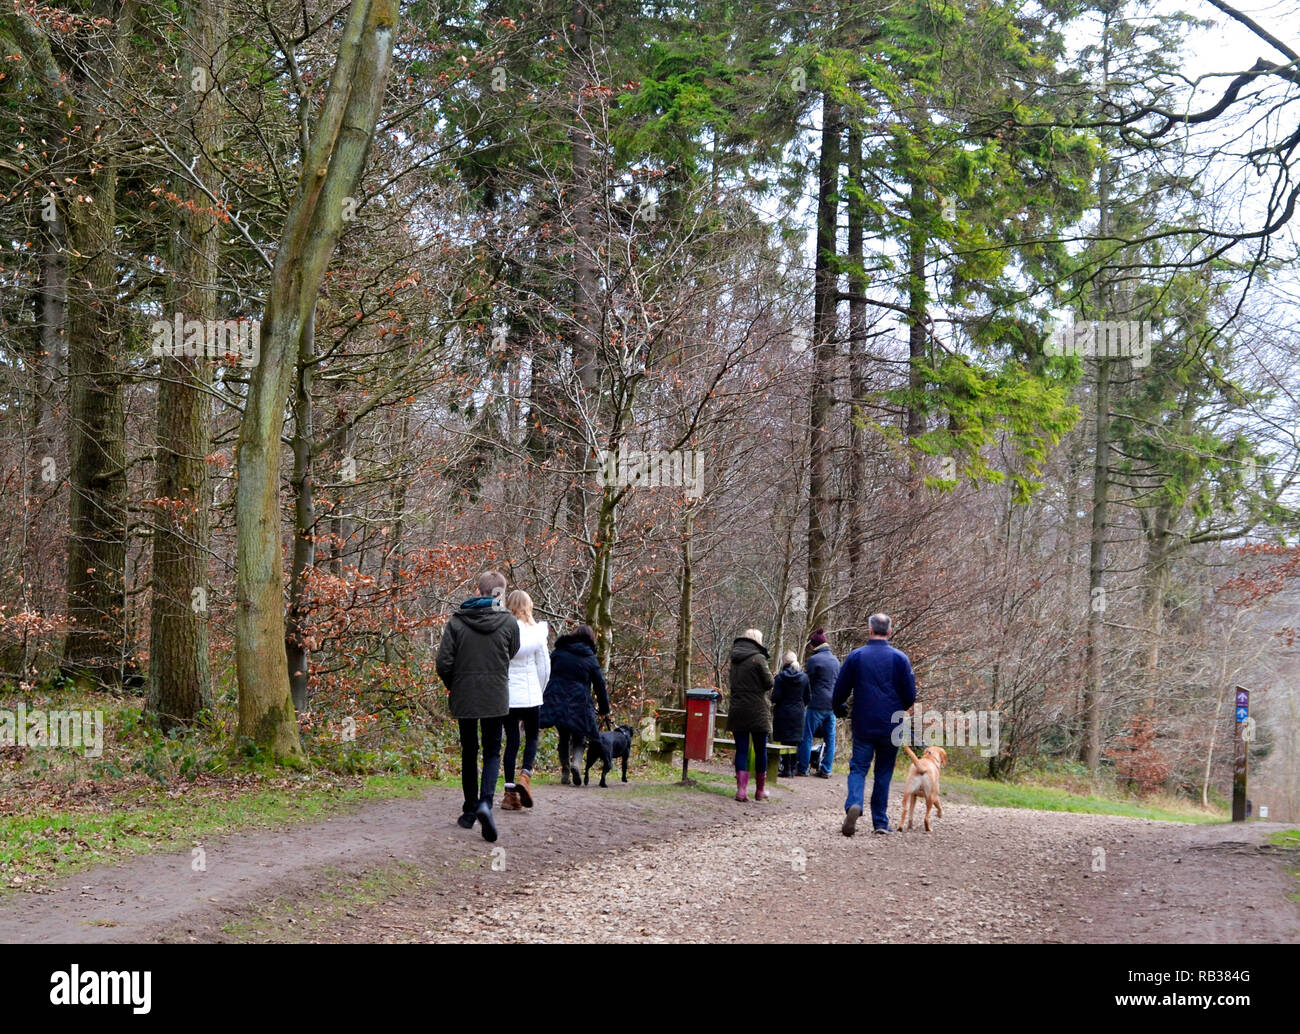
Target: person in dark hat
823,667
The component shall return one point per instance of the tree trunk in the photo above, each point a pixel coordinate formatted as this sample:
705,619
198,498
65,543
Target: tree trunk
917,315
1157,565
331,172
785,610
825,290
341,526
1091,752
599,609
854,621
180,683
42,522
685,621
586,286
51,327
1070,615
97,512
304,520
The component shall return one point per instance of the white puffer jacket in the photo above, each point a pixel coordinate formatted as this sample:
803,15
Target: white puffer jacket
530,668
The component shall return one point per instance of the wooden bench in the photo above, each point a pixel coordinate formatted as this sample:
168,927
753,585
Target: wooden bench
670,742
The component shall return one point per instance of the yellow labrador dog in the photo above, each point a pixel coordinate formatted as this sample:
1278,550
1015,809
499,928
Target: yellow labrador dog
922,781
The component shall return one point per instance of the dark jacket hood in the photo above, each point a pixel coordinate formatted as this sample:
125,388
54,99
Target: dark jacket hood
575,680
743,649
474,659
578,644
481,618
749,707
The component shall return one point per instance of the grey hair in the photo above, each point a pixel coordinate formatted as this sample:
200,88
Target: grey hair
789,658
880,624
755,634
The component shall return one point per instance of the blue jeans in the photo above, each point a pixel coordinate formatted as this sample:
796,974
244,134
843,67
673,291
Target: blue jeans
885,753
817,723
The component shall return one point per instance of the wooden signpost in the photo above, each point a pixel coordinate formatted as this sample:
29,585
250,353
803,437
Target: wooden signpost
1241,742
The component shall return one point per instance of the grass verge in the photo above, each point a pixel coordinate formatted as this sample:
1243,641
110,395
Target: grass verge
38,847
1289,840
1053,798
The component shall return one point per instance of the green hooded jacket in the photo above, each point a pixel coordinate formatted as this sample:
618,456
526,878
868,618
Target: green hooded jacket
474,658
750,708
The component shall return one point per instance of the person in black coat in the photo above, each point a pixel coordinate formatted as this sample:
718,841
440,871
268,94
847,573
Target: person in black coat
749,711
567,700
791,692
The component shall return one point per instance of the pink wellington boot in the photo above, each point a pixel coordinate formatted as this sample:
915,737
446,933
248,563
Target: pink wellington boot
760,780
742,785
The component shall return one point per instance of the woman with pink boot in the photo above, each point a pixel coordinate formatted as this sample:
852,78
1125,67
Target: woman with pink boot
749,714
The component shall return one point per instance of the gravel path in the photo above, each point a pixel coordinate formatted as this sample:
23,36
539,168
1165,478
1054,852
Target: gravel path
985,875
659,862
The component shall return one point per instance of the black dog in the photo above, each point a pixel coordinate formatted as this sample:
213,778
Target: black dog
611,745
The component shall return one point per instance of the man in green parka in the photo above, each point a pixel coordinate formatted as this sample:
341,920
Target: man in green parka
474,664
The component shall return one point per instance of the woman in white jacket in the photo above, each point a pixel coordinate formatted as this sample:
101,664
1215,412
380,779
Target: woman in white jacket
530,669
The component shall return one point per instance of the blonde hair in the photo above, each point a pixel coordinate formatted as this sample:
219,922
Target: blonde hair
755,634
789,658
520,604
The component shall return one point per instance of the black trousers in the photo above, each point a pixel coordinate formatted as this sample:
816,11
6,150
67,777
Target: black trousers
569,742
528,716
476,791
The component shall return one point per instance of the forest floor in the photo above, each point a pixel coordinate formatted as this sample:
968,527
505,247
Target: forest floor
655,861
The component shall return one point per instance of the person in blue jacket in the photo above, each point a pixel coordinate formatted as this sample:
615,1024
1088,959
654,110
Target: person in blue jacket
880,680
823,669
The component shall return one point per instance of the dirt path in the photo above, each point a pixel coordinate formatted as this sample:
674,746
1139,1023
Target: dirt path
660,862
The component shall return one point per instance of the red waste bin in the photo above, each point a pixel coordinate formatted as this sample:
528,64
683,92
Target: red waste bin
701,708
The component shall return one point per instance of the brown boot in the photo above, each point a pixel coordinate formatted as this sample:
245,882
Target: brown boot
510,801
524,788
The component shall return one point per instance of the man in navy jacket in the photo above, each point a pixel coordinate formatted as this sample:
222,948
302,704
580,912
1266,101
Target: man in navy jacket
880,680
